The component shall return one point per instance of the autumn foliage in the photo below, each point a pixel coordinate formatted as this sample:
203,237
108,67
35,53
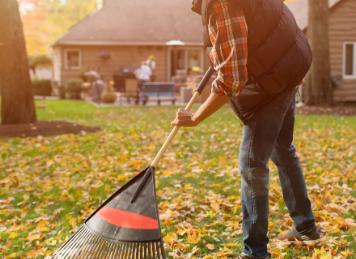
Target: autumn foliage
50,185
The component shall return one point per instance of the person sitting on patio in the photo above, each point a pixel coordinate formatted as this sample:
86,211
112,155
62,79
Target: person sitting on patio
143,74
152,64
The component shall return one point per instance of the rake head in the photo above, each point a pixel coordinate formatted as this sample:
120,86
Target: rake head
126,226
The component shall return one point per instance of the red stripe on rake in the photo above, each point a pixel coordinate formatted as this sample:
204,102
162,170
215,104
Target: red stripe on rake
127,219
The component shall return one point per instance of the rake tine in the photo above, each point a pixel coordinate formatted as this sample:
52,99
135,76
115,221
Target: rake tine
149,250
127,256
153,250
141,251
78,245
145,251
131,249
138,251
91,246
158,250
87,242
103,249
133,252
116,250
100,249
97,248
162,249
112,249
67,243
63,254
107,251
122,250
126,250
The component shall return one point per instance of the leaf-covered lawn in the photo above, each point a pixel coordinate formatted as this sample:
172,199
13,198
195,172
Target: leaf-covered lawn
49,186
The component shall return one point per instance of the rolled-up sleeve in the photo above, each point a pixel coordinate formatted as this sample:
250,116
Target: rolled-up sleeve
228,35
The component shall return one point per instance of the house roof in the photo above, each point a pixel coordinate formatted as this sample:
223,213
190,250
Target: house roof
151,22
300,10
137,22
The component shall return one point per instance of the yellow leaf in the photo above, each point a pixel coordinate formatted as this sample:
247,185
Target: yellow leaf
121,177
230,244
13,235
215,206
210,246
318,170
33,237
319,204
26,197
43,223
170,238
187,186
210,214
49,163
270,225
51,242
13,255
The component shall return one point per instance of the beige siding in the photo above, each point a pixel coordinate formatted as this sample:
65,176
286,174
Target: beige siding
122,55
57,64
342,29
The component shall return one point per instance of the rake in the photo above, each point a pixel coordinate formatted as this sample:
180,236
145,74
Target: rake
126,226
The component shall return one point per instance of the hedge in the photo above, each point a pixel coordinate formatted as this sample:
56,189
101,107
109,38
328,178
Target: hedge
42,87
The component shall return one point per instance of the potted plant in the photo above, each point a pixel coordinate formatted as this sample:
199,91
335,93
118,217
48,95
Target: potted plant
108,96
105,55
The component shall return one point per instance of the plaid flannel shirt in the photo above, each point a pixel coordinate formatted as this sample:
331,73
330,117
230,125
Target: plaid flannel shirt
228,35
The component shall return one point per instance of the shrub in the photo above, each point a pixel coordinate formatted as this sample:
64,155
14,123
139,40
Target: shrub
62,91
74,87
42,87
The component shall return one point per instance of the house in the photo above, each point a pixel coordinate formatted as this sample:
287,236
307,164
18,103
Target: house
127,32
342,35
124,33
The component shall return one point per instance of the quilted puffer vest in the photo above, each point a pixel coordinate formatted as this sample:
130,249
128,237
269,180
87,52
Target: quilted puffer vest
279,55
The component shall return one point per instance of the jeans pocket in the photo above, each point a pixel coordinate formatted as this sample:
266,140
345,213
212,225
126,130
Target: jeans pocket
284,100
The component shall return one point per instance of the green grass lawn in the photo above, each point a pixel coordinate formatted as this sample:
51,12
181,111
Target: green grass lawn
49,186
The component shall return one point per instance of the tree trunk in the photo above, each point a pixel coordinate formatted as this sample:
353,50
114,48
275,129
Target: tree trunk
17,104
318,89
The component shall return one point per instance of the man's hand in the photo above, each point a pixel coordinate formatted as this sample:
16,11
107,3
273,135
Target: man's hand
210,106
185,118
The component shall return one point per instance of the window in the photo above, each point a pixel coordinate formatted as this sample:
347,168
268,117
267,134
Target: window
72,58
194,58
350,60
183,58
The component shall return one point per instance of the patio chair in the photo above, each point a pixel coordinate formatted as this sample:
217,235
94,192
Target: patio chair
131,90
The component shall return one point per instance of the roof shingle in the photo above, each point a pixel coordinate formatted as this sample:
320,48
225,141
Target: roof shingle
151,22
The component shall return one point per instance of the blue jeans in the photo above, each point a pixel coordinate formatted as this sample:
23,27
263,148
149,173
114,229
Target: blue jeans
269,134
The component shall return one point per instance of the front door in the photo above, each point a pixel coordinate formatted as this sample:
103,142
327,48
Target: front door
180,59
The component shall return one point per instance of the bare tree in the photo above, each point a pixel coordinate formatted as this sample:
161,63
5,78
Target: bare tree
17,104
318,88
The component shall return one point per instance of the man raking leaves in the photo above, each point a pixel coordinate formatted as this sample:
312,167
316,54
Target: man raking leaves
261,56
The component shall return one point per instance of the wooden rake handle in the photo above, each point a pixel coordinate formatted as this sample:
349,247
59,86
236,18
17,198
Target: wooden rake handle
197,93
